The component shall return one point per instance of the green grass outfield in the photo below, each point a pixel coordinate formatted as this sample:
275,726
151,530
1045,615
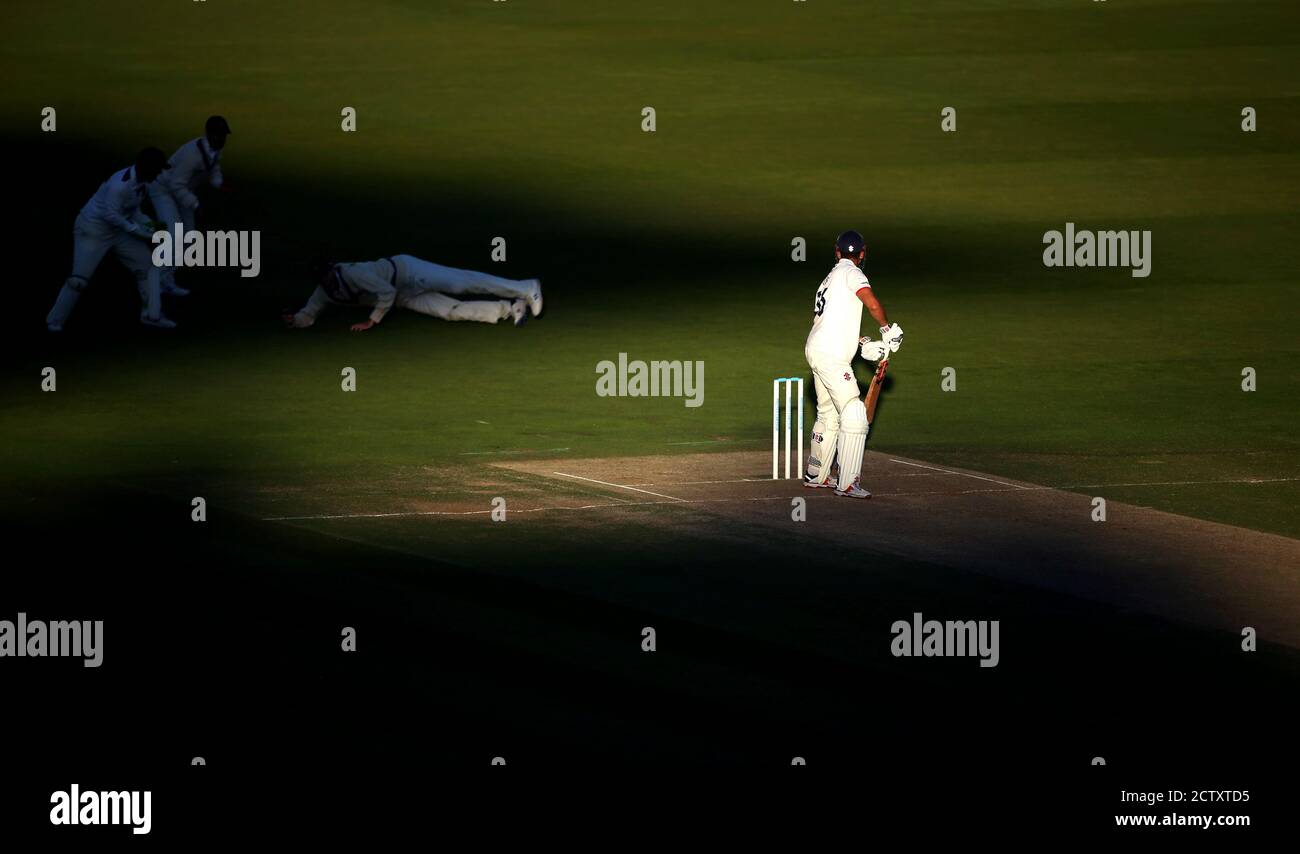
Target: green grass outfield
775,120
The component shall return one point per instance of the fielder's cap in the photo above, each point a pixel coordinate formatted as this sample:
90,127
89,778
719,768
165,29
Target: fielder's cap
216,125
850,243
152,158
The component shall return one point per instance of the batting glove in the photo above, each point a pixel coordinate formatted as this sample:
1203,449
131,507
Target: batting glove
873,351
892,336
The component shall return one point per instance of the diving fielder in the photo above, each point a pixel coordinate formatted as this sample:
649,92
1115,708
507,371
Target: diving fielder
408,282
112,220
196,163
841,415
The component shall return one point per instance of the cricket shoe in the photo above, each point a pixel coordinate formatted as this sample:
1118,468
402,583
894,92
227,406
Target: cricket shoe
813,484
174,289
160,321
519,312
534,297
855,490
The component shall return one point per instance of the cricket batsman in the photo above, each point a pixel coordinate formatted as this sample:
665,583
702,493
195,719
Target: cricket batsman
411,283
112,220
841,425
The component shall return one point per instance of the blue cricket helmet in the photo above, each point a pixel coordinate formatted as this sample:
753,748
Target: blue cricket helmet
850,243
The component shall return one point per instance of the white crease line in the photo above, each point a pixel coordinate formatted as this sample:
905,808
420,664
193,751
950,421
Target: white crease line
1184,482
412,513
616,485
698,482
1103,486
705,442
962,473
1011,485
377,515
512,451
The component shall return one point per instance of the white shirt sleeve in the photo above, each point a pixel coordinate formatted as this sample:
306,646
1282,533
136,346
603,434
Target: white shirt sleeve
307,315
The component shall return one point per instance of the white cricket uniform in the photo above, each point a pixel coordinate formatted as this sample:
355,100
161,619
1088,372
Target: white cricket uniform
173,192
408,282
831,346
111,220
417,274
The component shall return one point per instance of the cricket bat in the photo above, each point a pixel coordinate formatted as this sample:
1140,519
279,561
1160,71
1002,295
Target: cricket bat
873,390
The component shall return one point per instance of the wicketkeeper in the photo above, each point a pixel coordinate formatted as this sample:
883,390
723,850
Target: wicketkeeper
842,426
112,220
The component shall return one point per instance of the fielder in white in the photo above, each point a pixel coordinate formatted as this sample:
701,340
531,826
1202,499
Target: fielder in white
195,164
408,282
842,426
112,220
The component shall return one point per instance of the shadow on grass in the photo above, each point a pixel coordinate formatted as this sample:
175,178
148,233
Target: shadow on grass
580,257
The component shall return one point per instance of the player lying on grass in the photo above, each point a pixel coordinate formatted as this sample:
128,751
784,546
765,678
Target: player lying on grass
195,164
112,220
408,282
837,322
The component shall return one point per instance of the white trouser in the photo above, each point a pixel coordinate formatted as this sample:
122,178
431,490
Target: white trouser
170,212
417,274
91,241
425,302
449,308
836,388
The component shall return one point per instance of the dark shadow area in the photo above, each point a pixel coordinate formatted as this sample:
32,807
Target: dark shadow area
578,257
222,640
